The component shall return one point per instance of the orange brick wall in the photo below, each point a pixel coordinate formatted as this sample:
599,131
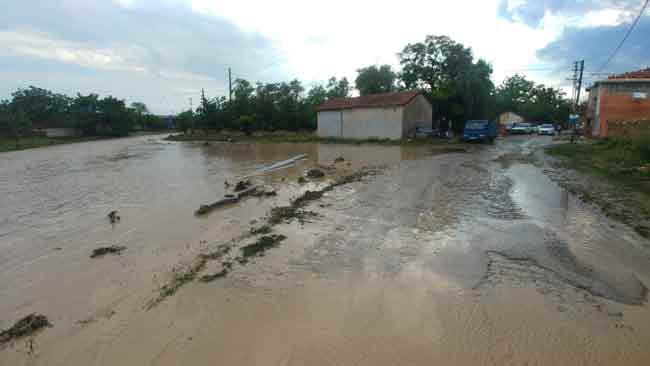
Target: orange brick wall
621,107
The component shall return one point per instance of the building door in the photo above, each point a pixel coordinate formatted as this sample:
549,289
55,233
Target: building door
330,124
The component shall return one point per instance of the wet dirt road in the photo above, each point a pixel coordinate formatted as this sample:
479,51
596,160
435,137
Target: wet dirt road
459,259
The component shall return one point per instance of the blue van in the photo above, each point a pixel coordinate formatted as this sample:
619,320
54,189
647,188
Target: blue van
480,130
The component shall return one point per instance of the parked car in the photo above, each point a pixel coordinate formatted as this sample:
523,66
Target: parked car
546,129
480,130
521,129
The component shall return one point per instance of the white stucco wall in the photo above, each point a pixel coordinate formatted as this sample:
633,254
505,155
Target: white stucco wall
363,123
329,124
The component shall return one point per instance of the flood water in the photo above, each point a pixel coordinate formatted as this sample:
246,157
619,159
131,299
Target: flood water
440,259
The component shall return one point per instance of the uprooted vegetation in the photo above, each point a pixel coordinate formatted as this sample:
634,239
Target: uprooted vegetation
102,251
181,277
24,327
262,230
296,209
261,245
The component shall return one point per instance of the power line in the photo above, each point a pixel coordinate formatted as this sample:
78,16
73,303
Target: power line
629,31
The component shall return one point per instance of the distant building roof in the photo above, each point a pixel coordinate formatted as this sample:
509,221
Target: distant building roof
370,101
640,74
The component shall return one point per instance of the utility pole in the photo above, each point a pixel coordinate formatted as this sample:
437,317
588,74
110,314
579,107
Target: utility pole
229,86
191,108
582,70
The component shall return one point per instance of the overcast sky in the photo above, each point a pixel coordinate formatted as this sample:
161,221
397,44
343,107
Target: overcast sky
162,52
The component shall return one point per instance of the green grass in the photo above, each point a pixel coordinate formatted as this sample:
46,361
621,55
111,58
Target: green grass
624,165
9,144
617,160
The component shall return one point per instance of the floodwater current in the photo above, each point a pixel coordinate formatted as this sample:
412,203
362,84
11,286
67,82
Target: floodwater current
454,259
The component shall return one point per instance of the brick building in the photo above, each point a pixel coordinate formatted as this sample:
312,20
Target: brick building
619,105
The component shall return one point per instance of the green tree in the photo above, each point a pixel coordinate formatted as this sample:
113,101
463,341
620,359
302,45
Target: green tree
375,80
84,111
458,87
40,105
115,118
140,108
535,102
17,123
338,88
185,121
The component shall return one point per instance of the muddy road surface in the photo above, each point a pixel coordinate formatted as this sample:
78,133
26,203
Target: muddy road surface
472,258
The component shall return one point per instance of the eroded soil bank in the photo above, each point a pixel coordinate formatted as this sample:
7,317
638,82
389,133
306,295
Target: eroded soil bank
459,259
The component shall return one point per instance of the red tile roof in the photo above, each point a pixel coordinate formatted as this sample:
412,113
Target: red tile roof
370,101
641,74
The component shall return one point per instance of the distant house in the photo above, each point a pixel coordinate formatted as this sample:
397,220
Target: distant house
619,105
51,130
507,118
386,116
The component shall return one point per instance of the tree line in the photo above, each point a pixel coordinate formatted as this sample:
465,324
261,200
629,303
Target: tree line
458,85
89,114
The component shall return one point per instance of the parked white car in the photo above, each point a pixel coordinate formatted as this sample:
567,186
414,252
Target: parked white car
521,129
546,129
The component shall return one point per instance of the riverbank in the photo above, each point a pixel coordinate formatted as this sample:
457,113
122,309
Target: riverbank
612,174
9,144
306,137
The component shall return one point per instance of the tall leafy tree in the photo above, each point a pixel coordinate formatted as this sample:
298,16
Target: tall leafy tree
338,88
115,118
375,80
535,102
458,87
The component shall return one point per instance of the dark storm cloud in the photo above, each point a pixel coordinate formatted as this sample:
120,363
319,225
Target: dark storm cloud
532,12
163,43
596,44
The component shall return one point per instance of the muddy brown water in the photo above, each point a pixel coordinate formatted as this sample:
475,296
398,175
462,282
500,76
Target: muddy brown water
441,259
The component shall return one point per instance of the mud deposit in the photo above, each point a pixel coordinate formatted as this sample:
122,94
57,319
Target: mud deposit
474,258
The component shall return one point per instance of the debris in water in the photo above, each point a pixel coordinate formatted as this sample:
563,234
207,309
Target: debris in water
113,249
266,229
243,185
261,245
227,200
296,209
339,159
283,163
231,199
302,180
113,217
214,276
315,173
26,326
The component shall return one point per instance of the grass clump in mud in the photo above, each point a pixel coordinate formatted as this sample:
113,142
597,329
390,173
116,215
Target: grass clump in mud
26,326
189,274
214,276
296,209
261,245
113,249
262,230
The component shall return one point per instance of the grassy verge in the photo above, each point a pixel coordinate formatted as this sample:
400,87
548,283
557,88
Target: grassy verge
9,144
620,177
618,161
303,138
